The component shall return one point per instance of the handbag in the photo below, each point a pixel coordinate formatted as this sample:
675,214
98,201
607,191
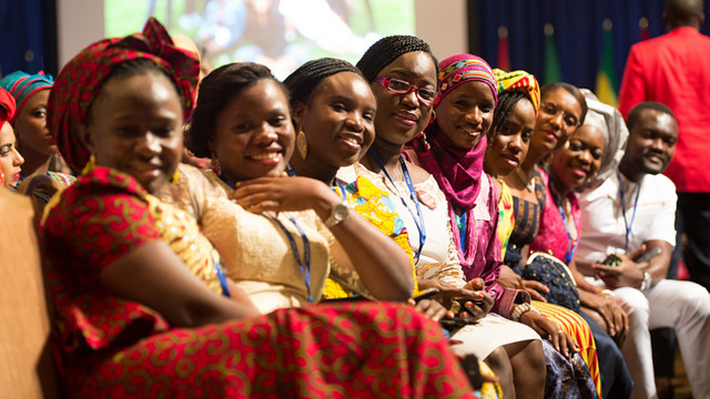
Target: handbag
556,276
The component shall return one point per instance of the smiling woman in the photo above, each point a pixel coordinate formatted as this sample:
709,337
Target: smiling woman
34,140
10,158
142,306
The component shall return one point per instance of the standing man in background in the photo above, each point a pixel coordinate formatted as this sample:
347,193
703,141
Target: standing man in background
674,69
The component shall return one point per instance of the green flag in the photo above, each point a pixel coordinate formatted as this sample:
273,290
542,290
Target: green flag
606,77
552,62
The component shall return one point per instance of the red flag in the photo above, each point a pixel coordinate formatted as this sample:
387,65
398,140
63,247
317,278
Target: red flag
503,58
643,25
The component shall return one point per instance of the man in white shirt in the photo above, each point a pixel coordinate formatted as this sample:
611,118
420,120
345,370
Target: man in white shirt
631,213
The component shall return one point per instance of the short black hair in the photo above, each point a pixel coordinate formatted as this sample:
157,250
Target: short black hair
635,113
216,89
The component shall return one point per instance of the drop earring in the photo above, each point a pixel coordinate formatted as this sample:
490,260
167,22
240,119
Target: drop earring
90,165
215,165
302,144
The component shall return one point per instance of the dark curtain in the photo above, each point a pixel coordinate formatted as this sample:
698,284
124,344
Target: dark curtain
28,36
578,32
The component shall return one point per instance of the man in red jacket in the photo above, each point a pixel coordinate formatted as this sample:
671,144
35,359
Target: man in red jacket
674,69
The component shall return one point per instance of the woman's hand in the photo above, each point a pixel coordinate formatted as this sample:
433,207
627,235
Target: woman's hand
614,315
562,341
431,309
479,304
283,194
509,279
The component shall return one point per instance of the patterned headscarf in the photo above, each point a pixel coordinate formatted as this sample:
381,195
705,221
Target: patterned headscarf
22,86
7,106
462,68
610,122
519,81
80,82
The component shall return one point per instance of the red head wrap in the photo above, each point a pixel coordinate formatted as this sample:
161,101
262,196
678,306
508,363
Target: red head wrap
7,106
80,82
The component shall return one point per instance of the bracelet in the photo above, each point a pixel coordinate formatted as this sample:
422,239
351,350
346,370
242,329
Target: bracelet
607,293
646,283
521,309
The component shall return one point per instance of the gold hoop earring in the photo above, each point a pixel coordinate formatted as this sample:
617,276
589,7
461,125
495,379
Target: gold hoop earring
433,114
302,144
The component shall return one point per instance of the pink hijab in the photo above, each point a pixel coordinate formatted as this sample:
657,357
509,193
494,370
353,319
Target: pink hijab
457,170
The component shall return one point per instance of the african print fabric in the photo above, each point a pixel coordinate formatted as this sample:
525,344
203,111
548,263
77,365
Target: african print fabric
117,348
376,207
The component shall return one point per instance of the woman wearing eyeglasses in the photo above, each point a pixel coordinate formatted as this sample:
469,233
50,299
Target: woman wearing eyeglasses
563,108
403,76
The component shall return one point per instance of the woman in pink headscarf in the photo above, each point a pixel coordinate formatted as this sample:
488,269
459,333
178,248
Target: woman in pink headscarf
452,149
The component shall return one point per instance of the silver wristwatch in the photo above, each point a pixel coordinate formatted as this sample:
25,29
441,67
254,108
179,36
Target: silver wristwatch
338,214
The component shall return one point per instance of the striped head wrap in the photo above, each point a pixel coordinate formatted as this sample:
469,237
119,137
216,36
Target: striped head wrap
519,81
7,106
80,82
461,68
22,86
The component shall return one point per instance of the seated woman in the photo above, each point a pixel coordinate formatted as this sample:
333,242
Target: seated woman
10,158
577,164
563,109
333,111
282,236
141,303
452,150
30,123
403,76
508,143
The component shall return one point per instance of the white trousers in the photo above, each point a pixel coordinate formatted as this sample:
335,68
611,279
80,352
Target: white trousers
681,305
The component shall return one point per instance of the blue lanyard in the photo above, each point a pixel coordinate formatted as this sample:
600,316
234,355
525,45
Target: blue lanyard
305,271
227,181
419,217
219,270
290,170
462,228
569,255
623,208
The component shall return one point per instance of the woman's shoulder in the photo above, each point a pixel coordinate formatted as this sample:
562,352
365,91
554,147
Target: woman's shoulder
192,190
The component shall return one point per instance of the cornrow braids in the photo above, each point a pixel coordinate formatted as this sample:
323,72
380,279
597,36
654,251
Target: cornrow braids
303,81
506,103
388,49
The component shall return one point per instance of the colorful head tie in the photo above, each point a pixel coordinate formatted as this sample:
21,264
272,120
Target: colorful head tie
461,68
22,86
7,106
519,81
80,82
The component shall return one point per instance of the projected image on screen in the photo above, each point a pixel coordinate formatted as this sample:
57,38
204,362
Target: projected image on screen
281,34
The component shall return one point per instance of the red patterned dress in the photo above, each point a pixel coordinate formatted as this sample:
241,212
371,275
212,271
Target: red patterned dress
115,348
